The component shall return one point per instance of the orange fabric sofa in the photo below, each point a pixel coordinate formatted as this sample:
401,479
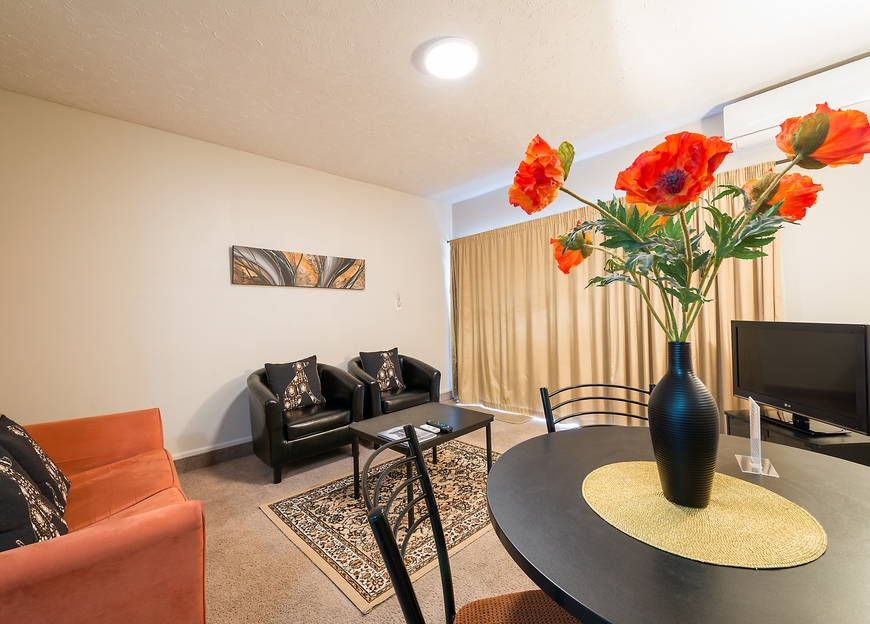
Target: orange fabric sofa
136,547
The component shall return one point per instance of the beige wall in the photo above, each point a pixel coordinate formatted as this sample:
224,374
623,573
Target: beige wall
116,295
824,258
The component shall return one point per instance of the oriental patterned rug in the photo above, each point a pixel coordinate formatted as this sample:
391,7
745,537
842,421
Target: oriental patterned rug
330,526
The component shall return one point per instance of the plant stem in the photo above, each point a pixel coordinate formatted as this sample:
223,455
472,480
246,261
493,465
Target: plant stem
649,305
580,199
672,319
687,242
690,268
607,214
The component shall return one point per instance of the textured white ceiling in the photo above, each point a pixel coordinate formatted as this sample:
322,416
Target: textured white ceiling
331,84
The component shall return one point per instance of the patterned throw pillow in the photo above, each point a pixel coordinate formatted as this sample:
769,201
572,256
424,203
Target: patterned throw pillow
385,367
43,472
26,516
296,384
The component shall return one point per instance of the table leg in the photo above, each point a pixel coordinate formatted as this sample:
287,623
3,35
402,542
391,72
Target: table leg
409,474
435,454
355,450
488,447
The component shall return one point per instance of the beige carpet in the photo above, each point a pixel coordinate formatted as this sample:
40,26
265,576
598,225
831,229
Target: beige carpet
331,527
253,577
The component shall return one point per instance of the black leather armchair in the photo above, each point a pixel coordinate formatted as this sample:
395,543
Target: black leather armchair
422,385
282,436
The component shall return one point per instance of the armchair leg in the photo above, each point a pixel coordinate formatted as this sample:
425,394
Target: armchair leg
276,474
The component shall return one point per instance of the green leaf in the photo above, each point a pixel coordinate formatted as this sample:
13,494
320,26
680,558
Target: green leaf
566,155
757,241
610,278
701,260
746,254
686,296
634,220
730,190
676,271
640,263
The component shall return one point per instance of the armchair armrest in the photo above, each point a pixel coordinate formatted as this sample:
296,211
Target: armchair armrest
342,389
144,568
372,399
420,375
81,444
266,423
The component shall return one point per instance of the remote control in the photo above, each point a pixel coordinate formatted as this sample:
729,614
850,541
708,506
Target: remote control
430,428
442,427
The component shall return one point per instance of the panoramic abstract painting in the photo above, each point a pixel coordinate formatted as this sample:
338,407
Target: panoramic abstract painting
267,267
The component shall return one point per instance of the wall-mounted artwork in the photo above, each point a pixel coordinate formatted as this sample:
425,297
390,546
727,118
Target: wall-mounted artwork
267,267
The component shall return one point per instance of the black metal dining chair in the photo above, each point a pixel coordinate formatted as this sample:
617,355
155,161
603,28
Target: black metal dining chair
413,498
594,399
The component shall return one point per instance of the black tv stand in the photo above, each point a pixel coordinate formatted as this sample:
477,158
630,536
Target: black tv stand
854,447
802,424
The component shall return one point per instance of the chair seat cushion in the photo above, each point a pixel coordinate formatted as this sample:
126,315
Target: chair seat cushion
299,423
525,607
395,400
101,492
164,498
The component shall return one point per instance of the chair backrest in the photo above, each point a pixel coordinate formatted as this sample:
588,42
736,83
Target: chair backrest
398,503
594,399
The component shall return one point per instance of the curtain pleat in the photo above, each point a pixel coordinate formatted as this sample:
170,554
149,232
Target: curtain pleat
519,324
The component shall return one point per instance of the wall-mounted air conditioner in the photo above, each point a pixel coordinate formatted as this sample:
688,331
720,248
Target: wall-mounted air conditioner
756,120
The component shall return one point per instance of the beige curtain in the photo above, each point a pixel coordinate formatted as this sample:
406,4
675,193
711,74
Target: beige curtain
519,324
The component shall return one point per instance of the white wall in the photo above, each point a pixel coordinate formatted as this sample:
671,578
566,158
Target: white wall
116,295
824,259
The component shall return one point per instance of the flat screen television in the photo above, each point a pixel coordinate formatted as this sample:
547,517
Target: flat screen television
812,370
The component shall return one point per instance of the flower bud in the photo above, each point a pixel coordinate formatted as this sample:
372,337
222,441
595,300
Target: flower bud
761,186
810,135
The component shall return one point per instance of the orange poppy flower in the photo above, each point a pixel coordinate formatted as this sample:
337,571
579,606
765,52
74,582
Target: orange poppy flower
570,255
796,191
538,178
841,140
674,173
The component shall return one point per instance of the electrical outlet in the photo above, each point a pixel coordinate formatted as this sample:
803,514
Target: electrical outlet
398,304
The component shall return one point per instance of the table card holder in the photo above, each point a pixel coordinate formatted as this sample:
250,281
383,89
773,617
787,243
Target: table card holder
754,463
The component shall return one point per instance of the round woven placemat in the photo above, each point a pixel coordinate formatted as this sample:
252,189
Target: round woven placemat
745,525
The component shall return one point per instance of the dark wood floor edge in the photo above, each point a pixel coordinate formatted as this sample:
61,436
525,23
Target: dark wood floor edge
215,456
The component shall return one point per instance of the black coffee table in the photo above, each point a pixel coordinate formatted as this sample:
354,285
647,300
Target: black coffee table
462,420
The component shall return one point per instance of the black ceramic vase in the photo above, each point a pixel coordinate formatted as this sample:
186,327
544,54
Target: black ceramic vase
684,427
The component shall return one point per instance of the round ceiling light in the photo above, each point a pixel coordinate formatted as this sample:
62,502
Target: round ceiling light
450,57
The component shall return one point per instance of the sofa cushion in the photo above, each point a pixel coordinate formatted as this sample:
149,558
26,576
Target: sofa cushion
311,420
102,492
26,516
385,367
396,400
164,498
296,384
43,472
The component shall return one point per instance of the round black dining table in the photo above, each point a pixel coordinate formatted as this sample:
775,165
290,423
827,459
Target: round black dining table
600,574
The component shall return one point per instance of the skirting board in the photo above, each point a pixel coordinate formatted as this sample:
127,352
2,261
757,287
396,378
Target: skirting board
212,457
